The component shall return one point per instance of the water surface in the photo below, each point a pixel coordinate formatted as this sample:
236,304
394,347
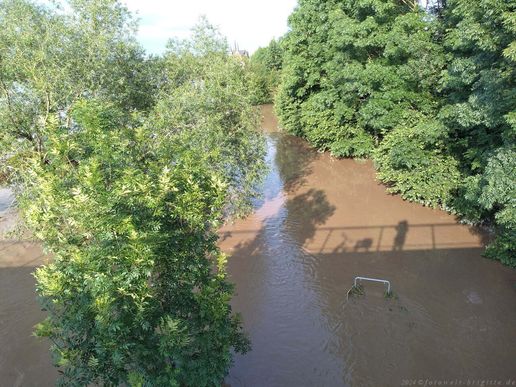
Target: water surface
323,221
24,360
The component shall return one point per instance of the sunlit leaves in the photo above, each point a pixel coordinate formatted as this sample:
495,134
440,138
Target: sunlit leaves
125,173
355,71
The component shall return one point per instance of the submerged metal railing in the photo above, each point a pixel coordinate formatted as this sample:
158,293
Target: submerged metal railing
357,289
374,280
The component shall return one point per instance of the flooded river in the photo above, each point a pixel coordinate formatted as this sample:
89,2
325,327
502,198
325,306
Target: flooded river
324,221
320,223
24,360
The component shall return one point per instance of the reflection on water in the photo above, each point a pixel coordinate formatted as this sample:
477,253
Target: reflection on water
321,223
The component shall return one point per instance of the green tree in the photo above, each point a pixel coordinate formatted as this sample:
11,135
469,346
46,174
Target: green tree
479,80
428,93
126,188
207,93
414,162
265,67
130,220
271,56
51,59
355,70
480,113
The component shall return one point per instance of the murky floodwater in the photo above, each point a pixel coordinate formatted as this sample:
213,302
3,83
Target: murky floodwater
24,360
320,223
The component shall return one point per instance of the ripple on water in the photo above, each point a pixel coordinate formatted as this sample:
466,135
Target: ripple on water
325,221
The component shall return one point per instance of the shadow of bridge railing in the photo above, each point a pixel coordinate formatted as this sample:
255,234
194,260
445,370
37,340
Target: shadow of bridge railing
386,237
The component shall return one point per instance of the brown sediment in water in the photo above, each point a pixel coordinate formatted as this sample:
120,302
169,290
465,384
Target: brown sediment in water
321,222
24,359
324,221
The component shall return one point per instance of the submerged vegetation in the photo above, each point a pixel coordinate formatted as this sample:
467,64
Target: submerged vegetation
124,167
427,93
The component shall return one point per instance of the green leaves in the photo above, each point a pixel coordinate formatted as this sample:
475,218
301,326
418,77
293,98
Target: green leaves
413,162
264,68
480,102
430,95
133,238
498,195
361,74
124,169
51,59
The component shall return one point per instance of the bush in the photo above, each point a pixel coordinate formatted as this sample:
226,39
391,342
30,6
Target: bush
325,127
265,67
498,194
413,162
129,220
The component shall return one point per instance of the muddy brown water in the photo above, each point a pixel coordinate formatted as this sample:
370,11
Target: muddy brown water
323,221
320,223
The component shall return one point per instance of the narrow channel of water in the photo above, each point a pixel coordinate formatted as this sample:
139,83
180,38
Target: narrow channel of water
323,221
320,223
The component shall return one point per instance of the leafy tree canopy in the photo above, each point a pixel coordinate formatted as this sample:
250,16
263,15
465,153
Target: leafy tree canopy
265,67
124,167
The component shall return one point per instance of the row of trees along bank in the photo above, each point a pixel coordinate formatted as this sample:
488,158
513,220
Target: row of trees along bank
124,166
427,92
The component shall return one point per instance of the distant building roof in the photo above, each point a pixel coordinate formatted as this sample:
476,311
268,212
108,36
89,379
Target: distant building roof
237,52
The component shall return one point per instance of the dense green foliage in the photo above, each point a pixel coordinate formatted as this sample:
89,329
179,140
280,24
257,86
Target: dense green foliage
414,163
124,167
130,291
265,69
208,92
355,70
480,113
428,94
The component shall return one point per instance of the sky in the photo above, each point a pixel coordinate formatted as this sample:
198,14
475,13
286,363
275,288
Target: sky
249,23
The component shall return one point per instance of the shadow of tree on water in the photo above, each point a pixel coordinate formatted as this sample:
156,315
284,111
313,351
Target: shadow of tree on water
305,212
293,160
294,225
